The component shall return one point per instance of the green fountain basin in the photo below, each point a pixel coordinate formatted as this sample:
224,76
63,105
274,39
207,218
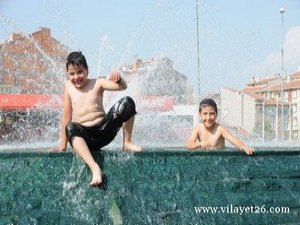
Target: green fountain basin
159,186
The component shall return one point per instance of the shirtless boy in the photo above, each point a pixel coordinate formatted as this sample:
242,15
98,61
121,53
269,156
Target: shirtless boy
211,135
84,122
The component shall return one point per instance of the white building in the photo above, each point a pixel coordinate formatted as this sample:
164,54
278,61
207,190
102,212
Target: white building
257,108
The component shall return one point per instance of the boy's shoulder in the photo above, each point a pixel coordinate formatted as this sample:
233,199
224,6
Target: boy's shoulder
68,84
198,127
219,126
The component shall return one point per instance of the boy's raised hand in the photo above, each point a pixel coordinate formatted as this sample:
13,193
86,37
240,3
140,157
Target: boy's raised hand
115,76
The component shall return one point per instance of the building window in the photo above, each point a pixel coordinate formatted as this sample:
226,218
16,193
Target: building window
294,108
286,94
295,134
274,95
268,95
294,94
286,126
295,120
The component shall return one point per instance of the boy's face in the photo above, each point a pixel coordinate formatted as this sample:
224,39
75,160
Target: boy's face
208,116
77,75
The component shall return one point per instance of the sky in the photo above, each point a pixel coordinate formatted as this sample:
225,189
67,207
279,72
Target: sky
238,39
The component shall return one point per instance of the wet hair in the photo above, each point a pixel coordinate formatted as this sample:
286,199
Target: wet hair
208,102
77,59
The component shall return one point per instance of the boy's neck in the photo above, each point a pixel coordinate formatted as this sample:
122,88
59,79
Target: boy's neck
210,128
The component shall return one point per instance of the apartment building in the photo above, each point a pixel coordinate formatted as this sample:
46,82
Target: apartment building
162,97
258,107
290,86
32,64
157,83
31,82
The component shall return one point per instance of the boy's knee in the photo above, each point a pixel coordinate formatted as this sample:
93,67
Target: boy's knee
130,101
127,101
73,129
69,128
126,108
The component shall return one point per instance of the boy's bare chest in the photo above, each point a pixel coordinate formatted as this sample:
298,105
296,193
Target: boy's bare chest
84,98
213,137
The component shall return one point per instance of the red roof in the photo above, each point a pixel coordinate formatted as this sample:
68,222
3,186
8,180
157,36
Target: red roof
27,101
294,84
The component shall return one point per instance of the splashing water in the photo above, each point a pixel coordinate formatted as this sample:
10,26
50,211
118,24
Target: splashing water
151,85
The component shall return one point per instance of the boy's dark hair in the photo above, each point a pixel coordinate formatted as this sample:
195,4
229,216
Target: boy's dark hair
77,59
208,102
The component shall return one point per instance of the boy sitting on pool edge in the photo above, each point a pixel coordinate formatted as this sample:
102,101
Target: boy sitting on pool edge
84,122
211,135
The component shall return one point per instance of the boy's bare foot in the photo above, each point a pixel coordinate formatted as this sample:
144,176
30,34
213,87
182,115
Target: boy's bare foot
97,176
129,147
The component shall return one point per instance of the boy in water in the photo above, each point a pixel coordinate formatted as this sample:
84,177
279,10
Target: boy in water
84,122
211,135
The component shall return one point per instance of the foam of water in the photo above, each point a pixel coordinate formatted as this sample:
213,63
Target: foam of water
151,129
38,130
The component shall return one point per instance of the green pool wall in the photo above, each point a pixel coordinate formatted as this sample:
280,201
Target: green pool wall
155,187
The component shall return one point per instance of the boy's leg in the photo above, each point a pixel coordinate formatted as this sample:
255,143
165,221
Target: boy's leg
81,149
127,132
122,115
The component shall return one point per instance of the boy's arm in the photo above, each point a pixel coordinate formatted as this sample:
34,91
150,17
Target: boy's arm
236,142
66,117
114,82
193,142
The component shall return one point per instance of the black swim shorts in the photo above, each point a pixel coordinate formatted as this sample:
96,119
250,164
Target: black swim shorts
102,134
